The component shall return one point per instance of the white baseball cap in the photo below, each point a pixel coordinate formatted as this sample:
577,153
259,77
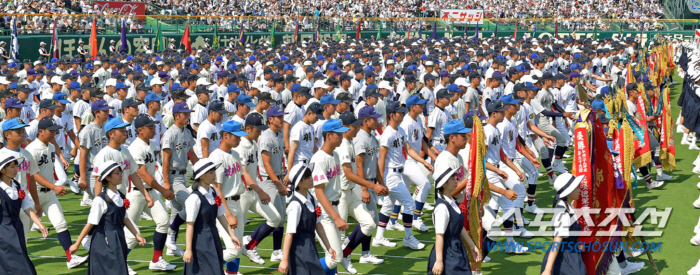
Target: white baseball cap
320,84
157,81
111,82
201,81
57,80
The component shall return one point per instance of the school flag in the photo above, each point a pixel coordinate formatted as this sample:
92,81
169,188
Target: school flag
466,31
556,29
93,38
272,33
534,30
185,41
476,191
54,40
420,31
476,33
515,32
434,30
159,40
642,150
337,30
379,33
216,35
667,154
241,39
123,46
359,30
495,32
595,31
408,34
14,43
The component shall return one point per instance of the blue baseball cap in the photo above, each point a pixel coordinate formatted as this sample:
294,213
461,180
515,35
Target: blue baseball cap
598,105
415,99
576,66
233,88
605,90
115,123
454,88
152,97
194,66
181,108
60,97
13,103
334,125
455,127
100,105
245,99
531,86
275,111
14,85
15,123
508,99
235,128
368,111
74,86
328,99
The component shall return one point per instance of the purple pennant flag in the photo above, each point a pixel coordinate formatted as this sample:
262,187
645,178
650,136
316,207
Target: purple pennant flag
123,47
435,30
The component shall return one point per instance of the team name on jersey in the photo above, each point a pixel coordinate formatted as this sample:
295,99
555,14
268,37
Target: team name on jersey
24,166
398,142
44,159
99,142
232,169
252,158
149,158
307,137
459,175
182,145
215,136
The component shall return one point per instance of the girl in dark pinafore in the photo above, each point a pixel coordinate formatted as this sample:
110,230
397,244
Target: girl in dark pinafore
204,254
562,261
108,248
13,199
449,256
300,256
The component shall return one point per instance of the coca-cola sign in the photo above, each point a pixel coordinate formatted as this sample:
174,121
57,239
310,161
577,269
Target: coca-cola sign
122,8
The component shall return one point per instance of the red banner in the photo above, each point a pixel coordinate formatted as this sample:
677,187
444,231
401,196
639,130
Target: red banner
122,8
582,167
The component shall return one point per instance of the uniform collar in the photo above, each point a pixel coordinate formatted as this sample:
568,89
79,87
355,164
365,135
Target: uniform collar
301,197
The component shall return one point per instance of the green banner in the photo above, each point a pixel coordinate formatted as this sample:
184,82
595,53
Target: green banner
67,44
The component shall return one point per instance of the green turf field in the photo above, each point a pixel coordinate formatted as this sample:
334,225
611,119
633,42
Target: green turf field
676,254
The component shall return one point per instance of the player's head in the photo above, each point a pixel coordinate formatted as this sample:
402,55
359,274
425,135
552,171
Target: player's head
181,113
333,132
512,103
100,110
115,130
216,111
456,134
232,131
632,91
13,131
9,166
496,110
275,116
395,112
254,125
145,126
47,128
369,117
349,120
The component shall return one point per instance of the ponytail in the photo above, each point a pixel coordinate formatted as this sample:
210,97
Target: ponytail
195,185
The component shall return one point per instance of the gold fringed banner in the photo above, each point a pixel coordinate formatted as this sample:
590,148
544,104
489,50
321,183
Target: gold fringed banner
667,154
477,190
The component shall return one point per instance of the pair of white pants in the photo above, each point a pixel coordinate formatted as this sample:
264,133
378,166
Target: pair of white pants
526,167
413,175
276,200
511,183
53,210
398,191
351,204
138,206
371,205
250,201
333,235
231,252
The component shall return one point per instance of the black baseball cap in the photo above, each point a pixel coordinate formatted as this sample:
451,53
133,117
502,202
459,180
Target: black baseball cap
395,107
142,87
317,109
179,94
444,93
48,123
344,97
144,120
256,120
47,104
128,102
631,86
496,106
265,96
217,106
305,91
348,119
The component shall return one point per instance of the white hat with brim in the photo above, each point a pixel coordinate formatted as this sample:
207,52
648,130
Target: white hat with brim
9,159
106,168
202,167
443,176
565,184
297,173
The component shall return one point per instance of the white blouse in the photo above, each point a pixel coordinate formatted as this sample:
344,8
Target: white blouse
441,215
99,207
193,203
562,220
294,211
12,192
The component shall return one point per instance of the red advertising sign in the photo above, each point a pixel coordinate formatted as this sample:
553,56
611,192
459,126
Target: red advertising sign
122,8
469,17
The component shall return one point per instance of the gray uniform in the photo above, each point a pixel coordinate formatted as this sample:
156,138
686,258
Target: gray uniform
364,143
271,142
179,141
472,97
94,139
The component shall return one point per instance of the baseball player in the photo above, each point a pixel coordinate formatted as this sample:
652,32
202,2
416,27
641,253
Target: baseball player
177,144
44,152
131,111
293,113
91,140
391,158
302,140
208,134
199,113
231,185
143,150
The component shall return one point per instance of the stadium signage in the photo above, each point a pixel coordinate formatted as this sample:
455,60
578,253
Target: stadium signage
115,7
469,17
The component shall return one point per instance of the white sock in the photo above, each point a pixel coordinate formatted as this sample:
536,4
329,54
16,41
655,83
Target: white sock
685,137
557,161
380,232
86,196
659,172
408,232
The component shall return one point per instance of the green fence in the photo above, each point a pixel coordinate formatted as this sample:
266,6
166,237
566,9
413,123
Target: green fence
67,44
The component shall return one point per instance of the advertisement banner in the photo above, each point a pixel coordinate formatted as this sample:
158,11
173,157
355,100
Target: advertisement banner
116,7
465,17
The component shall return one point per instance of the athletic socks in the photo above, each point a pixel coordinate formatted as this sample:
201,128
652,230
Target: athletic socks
508,228
354,240
395,213
261,233
366,243
559,152
531,194
158,245
175,225
659,170
408,224
324,265
419,210
645,174
547,163
383,220
487,243
65,241
233,266
277,238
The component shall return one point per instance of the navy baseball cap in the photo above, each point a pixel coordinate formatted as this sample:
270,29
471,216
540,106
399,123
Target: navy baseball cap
395,107
100,105
152,97
181,108
455,127
217,106
115,123
255,120
328,99
130,101
275,111
47,104
508,99
144,120
317,109
334,125
368,111
349,119
245,99
15,123
235,128
496,106
13,103
415,99
60,97
443,93
372,92
48,123
305,91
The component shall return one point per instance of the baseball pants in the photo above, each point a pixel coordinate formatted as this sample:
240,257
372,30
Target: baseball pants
277,201
512,183
333,236
413,175
526,168
397,192
251,201
371,205
139,205
178,184
231,252
352,204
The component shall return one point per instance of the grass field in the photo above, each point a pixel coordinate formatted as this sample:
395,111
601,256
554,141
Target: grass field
676,254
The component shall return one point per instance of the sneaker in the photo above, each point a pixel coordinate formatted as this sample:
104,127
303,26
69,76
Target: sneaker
276,256
698,185
161,265
412,243
428,207
634,252
566,156
380,241
395,226
526,221
695,270
171,241
533,209
695,240
347,264
86,202
696,203
552,180
693,146
145,216
73,186
76,260
516,248
559,168
419,225
246,240
178,252
696,170
370,259
632,268
131,271
487,259
86,242
685,141
524,233
254,257
663,177
654,184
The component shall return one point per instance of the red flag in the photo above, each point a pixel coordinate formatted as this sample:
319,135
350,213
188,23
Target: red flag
186,39
556,30
93,39
515,32
296,32
359,29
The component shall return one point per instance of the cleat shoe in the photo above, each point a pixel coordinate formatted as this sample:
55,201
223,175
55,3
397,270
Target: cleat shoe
76,260
533,209
276,256
412,243
370,259
419,225
347,264
377,242
161,265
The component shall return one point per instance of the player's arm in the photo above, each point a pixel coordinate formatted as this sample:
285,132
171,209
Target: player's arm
510,164
205,147
293,145
328,207
383,151
347,168
429,150
193,157
83,169
230,218
286,126
267,165
360,164
539,132
417,157
136,180
60,154
31,185
77,120
167,155
150,180
253,185
195,126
